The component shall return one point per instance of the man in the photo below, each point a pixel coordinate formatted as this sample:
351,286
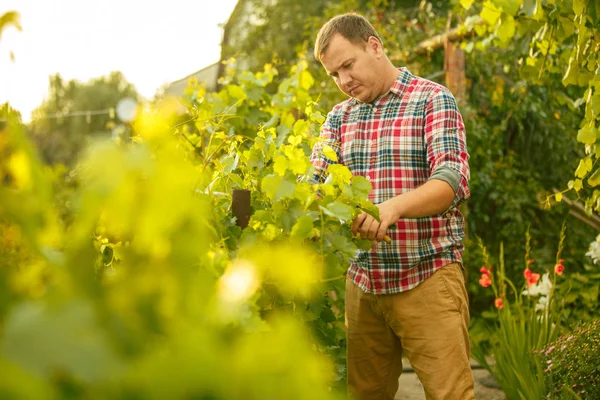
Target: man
406,135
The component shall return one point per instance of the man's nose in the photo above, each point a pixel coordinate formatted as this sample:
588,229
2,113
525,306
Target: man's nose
345,79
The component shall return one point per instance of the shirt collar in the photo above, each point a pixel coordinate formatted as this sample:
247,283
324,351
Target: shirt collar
402,82
398,88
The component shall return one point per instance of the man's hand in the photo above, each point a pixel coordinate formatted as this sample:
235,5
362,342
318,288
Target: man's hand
370,228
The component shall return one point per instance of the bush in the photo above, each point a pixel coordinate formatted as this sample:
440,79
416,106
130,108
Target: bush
572,363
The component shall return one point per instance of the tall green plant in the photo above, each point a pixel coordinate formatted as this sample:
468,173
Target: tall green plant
527,320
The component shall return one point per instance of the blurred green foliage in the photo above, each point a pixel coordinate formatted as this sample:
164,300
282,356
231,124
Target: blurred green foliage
76,113
148,288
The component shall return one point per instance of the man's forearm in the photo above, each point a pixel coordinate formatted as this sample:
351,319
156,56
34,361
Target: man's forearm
433,197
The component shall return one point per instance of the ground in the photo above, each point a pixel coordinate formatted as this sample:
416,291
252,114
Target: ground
411,388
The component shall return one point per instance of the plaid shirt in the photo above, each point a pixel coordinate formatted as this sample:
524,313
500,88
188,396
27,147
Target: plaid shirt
398,142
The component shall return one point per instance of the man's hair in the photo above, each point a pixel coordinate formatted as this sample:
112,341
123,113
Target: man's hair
352,27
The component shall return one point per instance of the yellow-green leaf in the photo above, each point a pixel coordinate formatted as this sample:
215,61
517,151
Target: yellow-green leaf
281,164
584,167
298,161
340,174
506,30
587,135
466,3
595,105
236,92
361,187
329,153
339,210
510,7
579,6
572,75
558,196
303,227
594,179
301,127
490,13
306,80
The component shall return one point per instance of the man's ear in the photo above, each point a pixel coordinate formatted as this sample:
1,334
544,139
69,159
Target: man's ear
374,44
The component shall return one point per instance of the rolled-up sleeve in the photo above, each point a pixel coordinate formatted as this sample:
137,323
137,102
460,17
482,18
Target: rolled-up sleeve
447,144
329,136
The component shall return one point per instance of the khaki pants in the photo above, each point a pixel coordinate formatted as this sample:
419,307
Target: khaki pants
428,324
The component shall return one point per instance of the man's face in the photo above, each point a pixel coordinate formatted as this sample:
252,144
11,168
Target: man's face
355,68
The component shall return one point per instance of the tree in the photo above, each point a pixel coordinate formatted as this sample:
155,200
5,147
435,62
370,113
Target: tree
10,18
76,112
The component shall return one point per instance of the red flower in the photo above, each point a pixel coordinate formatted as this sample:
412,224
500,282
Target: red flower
485,280
485,271
532,278
527,273
559,268
530,262
499,303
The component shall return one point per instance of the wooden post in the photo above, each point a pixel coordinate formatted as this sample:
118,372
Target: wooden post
454,65
240,205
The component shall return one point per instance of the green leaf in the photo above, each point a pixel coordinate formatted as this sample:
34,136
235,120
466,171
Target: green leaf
43,338
584,167
506,30
587,135
596,105
594,179
490,13
558,197
230,163
303,227
329,153
529,7
577,185
281,164
298,161
361,187
340,174
301,127
466,3
363,244
236,92
579,6
510,7
306,80
338,210
276,187
370,209
327,315
572,75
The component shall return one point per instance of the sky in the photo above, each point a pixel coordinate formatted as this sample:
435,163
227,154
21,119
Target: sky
152,42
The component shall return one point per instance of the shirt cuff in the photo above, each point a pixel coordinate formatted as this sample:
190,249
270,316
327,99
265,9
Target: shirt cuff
448,175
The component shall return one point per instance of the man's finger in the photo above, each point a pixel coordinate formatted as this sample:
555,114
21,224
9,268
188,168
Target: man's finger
358,222
373,230
381,232
366,225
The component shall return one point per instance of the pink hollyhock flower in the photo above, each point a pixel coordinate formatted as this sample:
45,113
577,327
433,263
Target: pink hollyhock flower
558,269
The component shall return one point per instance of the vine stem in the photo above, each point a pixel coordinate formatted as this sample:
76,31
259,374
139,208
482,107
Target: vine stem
335,278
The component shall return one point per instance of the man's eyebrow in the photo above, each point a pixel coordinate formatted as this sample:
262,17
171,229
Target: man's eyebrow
341,65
